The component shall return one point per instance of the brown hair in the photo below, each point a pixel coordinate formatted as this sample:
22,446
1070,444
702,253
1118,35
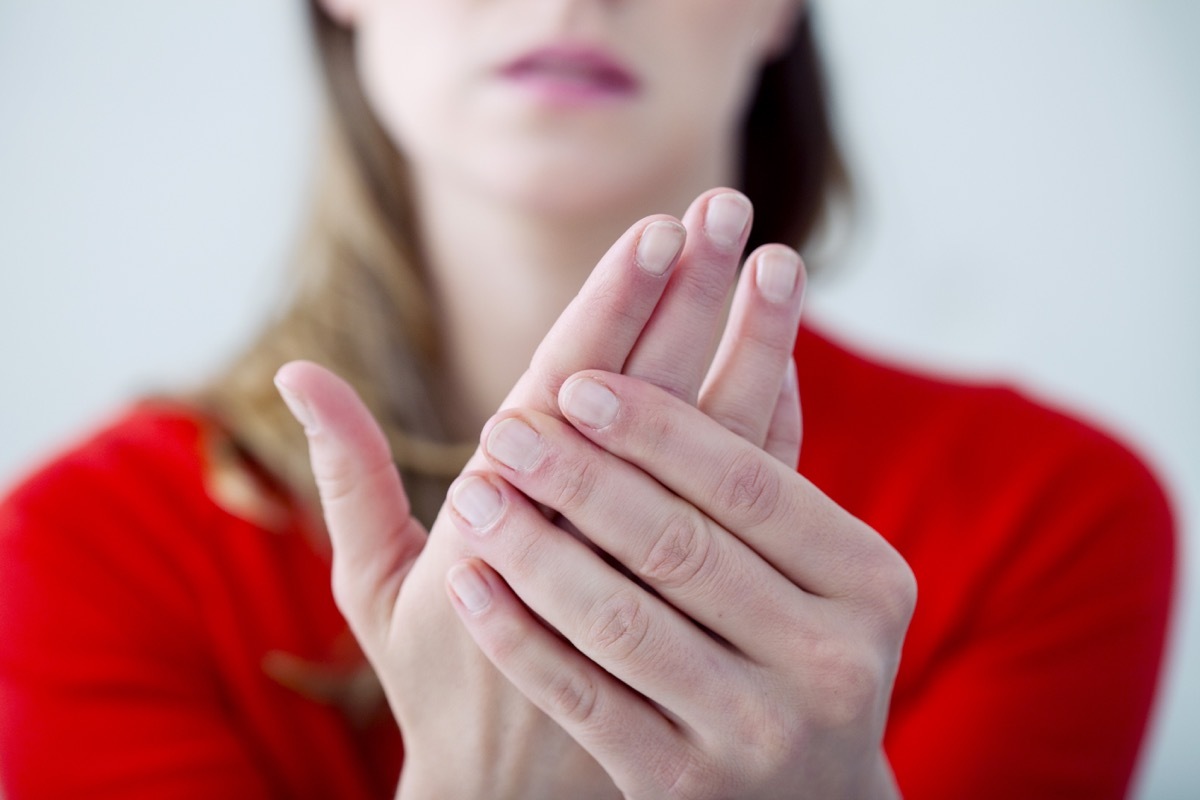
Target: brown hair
361,304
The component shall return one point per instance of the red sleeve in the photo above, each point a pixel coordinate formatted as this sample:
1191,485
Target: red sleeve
104,683
1043,684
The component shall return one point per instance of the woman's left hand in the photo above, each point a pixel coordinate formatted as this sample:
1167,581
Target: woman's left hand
745,643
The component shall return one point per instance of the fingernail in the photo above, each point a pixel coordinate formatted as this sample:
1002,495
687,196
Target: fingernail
590,402
298,407
726,218
469,587
659,245
477,501
776,275
514,443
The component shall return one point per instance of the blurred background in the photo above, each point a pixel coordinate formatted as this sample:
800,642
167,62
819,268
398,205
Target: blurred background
1028,175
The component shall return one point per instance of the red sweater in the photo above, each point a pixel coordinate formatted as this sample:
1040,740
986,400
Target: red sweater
137,612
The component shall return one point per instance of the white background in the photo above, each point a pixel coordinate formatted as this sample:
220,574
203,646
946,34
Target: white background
1028,171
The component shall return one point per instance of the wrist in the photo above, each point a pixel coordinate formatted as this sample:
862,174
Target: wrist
541,779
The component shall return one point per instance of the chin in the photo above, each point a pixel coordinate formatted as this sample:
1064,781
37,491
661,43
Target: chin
576,182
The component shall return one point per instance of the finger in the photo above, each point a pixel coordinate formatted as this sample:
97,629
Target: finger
742,388
674,350
608,720
603,323
636,637
691,562
784,432
600,327
775,511
374,536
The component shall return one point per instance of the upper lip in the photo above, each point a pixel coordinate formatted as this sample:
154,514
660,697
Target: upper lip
583,58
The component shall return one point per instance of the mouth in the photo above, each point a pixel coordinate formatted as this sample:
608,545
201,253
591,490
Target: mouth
571,73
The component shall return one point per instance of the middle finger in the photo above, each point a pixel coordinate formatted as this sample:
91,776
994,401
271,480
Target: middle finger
675,347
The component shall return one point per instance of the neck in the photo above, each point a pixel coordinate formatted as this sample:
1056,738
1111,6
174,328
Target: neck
501,273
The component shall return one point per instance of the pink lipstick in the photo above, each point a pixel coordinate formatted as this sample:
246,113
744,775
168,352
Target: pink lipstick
572,75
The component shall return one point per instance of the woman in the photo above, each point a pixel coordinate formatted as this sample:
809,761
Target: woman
172,630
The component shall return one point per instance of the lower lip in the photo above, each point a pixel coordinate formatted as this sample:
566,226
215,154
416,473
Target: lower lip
557,90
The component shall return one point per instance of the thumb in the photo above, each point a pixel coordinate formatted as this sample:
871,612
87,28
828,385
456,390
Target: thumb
375,538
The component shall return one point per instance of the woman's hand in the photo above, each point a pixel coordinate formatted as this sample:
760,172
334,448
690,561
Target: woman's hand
644,312
747,645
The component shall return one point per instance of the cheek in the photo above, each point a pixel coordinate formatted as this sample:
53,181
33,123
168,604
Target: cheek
737,35
405,64
714,58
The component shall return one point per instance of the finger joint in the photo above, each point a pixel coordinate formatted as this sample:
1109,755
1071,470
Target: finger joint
749,488
572,697
575,485
620,630
680,555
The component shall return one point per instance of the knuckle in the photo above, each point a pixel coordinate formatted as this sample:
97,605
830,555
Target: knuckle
750,488
503,639
680,554
620,628
522,552
685,773
575,482
335,485
710,287
612,296
846,682
549,373
336,480
522,531
692,783
898,594
339,478
764,729
655,423
772,737
888,589
572,697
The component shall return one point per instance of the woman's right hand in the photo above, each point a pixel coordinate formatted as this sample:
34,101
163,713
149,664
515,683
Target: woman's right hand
468,732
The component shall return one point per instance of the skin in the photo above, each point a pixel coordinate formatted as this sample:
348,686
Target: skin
747,643
539,193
